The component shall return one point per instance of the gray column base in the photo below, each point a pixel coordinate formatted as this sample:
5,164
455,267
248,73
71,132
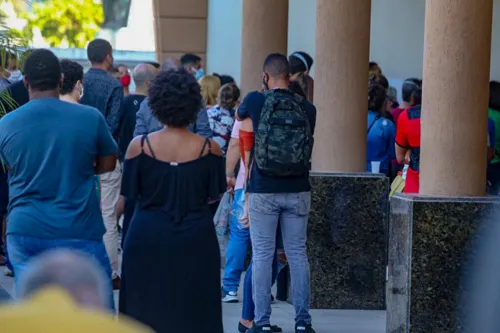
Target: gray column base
429,239
347,240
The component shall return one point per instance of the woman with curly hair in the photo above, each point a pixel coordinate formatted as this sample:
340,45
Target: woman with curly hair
173,175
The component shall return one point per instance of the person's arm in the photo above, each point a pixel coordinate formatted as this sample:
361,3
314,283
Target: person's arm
203,125
233,155
105,160
243,111
140,119
402,145
115,107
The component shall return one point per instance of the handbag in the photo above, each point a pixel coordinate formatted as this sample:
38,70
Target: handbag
222,220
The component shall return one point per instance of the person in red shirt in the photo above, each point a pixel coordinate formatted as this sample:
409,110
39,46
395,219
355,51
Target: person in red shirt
408,134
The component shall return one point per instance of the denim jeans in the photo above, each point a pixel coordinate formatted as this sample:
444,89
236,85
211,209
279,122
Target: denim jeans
291,210
23,248
236,252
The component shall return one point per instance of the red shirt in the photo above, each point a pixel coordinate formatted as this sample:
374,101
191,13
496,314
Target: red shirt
408,136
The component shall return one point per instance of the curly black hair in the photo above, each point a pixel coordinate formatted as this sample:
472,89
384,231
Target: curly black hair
73,72
175,98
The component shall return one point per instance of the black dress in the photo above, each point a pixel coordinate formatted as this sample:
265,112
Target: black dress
171,261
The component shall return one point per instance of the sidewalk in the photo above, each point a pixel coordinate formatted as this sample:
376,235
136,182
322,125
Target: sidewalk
324,321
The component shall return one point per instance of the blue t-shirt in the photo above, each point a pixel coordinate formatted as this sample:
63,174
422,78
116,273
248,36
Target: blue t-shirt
261,183
49,147
380,142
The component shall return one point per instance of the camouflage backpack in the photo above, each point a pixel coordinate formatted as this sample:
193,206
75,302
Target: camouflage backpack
283,139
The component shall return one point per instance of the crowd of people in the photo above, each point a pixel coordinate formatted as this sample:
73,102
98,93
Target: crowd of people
85,158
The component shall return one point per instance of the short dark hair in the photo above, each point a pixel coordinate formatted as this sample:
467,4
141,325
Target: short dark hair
377,96
412,86
42,70
276,65
224,79
297,64
73,72
154,64
189,59
98,50
494,102
372,65
175,98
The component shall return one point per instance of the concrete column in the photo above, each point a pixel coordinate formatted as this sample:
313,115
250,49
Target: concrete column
341,85
264,31
455,97
180,27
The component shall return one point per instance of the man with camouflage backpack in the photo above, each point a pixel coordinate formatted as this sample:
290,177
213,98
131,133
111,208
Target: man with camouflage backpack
279,188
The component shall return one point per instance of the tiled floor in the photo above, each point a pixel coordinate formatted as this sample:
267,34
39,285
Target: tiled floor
324,321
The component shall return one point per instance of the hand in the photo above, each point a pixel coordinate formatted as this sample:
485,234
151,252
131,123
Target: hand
120,208
231,183
245,220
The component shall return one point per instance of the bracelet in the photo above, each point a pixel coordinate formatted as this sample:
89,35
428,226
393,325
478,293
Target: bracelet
229,173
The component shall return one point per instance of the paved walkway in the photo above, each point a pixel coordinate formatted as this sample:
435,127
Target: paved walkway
324,321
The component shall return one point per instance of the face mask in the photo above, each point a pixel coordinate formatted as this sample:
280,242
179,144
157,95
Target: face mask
125,80
198,73
81,93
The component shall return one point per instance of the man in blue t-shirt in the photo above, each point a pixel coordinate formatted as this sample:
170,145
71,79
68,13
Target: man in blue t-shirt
278,199
52,150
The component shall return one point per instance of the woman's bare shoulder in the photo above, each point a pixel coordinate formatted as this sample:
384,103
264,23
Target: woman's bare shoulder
134,148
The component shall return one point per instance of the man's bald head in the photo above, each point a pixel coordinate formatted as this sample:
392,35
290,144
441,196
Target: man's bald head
76,273
142,74
170,64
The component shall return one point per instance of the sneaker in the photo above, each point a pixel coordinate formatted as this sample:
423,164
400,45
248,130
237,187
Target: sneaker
260,329
302,327
274,328
230,297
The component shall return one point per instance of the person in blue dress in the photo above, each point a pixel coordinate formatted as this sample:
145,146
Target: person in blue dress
381,131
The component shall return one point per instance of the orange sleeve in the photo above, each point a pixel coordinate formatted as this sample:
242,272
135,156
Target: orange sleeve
401,130
246,142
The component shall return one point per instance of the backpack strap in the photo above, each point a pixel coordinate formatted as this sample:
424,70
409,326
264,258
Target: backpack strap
377,117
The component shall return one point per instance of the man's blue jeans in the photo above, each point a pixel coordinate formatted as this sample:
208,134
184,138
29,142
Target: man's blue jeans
23,248
236,252
291,210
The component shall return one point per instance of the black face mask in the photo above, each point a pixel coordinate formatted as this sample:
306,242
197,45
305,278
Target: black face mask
265,83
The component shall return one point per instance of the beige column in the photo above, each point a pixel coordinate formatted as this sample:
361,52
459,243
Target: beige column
341,85
455,97
264,31
180,27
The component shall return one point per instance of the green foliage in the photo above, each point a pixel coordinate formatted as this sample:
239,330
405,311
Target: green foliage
73,21
12,44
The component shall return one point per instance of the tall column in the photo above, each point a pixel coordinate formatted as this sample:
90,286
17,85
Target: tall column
455,97
180,27
264,31
341,85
